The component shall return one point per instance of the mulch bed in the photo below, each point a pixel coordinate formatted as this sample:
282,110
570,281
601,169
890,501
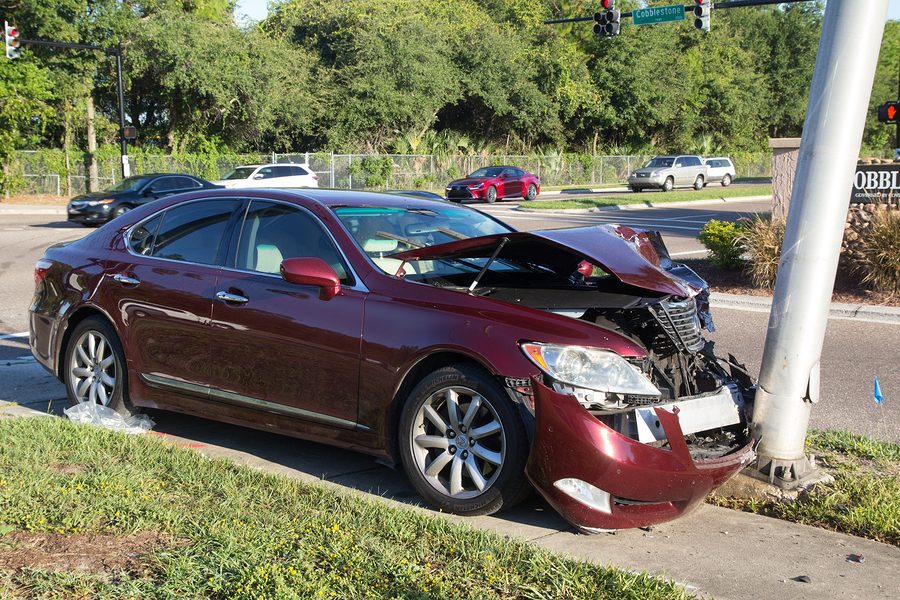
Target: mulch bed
847,289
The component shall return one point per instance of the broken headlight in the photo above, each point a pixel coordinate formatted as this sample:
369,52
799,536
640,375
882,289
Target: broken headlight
590,368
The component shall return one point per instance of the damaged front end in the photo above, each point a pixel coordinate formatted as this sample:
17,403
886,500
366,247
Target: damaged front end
621,439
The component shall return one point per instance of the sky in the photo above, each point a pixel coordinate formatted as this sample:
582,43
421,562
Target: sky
256,10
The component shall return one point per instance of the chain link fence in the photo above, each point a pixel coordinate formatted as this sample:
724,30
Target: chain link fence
32,173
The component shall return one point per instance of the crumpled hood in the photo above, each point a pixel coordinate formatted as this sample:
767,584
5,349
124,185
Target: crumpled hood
633,256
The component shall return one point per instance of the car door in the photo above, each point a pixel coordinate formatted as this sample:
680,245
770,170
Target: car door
680,170
279,346
164,294
514,182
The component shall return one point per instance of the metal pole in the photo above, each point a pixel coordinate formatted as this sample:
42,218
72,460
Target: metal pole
123,145
838,101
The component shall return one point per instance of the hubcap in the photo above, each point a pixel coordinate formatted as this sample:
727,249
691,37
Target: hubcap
458,442
93,369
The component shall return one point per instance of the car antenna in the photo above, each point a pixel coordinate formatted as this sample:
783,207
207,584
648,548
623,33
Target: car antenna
488,264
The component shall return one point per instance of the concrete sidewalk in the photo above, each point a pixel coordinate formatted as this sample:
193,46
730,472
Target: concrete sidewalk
713,552
32,209
860,312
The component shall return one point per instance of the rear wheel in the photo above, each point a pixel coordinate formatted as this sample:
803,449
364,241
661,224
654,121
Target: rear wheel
726,181
635,189
462,442
531,192
669,184
698,183
94,367
491,195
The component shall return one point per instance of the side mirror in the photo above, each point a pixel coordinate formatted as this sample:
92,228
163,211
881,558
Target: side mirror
503,175
148,192
258,176
312,271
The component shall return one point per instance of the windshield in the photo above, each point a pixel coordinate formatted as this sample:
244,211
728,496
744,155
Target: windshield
130,184
487,172
382,231
660,162
241,173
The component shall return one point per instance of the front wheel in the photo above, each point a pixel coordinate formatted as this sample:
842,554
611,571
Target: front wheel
669,184
491,195
531,192
698,183
121,210
462,442
94,368
726,181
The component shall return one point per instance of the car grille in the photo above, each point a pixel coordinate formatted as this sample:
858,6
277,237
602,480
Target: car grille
458,191
680,321
643,174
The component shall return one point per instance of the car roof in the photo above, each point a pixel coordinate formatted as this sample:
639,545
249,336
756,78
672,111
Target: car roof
272,165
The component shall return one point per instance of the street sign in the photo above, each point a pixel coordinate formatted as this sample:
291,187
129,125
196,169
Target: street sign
657,14
876,183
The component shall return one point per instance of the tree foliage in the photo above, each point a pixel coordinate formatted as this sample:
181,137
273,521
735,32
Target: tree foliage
422,75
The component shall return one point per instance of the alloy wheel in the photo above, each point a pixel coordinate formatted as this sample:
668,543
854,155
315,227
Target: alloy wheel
458,442
93,369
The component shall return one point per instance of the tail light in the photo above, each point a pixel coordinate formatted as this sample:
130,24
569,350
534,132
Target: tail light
41,268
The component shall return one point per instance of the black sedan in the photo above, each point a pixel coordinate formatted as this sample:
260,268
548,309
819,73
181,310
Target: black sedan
97,208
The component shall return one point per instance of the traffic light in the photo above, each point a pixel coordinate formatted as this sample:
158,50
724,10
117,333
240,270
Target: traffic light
701,14
889,112
11,37
606,22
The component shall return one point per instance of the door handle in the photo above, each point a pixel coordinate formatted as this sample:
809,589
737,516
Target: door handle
233,298
125,279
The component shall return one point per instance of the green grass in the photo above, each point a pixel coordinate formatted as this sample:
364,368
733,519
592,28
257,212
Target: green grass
711,192
242,533
863,499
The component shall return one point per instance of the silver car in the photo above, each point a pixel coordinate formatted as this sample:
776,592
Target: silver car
667,172
721,169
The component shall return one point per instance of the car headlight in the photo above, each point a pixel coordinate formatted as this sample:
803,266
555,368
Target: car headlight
654,173
590,368
477,186
104,201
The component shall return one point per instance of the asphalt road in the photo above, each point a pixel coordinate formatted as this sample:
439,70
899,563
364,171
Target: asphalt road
854,351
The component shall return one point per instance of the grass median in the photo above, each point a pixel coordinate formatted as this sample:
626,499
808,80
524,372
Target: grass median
863,499
708,193
89,513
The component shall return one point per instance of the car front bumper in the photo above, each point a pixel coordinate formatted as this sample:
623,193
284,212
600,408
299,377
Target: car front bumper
88,214
642,484
458,193
646,182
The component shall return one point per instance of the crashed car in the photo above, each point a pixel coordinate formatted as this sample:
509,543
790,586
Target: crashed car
484,360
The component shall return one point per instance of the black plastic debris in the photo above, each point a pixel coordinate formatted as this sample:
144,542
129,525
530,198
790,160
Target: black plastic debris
857,558
802,579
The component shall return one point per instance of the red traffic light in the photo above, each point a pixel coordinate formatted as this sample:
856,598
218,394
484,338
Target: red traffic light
607,3
13,32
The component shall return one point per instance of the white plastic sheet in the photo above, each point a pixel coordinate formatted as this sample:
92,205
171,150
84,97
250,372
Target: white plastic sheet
103,416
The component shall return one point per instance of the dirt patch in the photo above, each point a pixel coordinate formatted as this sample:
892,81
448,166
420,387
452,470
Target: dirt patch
67,469
735,281
89,553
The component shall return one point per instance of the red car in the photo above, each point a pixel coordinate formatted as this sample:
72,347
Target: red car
493,183
483,359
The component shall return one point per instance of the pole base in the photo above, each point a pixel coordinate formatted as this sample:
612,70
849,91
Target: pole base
785,474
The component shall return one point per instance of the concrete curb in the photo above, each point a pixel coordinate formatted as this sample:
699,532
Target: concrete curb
854,312
31,209
645,205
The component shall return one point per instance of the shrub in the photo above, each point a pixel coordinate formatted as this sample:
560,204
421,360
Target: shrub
720,237
761,239
881,251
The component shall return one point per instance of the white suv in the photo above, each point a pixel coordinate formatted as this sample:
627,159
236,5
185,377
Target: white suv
278,175
721,169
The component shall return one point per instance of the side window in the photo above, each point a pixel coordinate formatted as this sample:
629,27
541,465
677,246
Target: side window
680,162
185,183
282,171
273,232
266,172
165,184
518,172
696,162
193,232
298,171
143,236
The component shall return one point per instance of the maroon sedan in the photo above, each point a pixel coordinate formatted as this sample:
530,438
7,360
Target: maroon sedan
493,183
483,359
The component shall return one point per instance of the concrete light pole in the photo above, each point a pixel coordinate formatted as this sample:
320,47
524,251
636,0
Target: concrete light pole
838,101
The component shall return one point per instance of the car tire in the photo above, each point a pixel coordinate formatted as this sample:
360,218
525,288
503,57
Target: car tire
635,189
452,471
120,210
94,367
490,196
726,181
531,192
698,183
668,185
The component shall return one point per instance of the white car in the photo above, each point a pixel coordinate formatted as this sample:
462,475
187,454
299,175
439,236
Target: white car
721,169
278,175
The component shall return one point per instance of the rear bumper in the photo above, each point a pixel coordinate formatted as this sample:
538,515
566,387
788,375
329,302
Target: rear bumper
646,485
